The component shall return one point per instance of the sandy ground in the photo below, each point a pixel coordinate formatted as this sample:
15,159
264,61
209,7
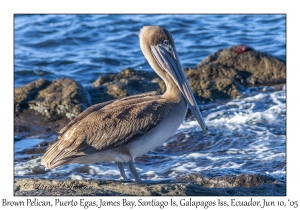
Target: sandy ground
38,187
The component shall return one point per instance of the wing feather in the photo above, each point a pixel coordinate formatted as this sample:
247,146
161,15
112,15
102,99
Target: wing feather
97,107
105,126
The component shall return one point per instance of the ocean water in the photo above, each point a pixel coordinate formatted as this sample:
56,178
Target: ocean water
248,134
83,47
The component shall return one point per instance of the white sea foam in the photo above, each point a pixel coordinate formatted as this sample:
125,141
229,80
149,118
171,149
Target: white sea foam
25,168
76,177
195,155
255,128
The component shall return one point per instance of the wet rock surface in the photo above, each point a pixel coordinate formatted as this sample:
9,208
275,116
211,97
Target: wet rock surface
30,123
61,98
229,181
53,100
246,65
43,106
126,83
212,187
226,73
27,92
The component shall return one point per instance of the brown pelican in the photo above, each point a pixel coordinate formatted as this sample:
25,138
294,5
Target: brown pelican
123,129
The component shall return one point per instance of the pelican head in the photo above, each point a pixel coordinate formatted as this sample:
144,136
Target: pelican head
159,49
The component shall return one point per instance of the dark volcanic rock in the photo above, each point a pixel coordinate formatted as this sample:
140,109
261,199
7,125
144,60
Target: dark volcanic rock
27,92
62,98
243,180
248,67
30,123
99,94
38,187
225,74
40,103
126,83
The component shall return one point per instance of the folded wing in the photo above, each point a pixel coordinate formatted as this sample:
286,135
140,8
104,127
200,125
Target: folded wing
105,126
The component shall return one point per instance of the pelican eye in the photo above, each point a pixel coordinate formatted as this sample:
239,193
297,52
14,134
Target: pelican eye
166,42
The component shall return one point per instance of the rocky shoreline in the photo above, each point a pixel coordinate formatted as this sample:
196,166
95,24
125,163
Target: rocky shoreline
191,185
43,107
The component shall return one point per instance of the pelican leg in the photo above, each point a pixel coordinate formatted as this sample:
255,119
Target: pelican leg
138,179
122,172
134,172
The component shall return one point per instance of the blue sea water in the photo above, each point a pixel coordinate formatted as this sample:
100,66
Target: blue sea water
83,47
250,131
